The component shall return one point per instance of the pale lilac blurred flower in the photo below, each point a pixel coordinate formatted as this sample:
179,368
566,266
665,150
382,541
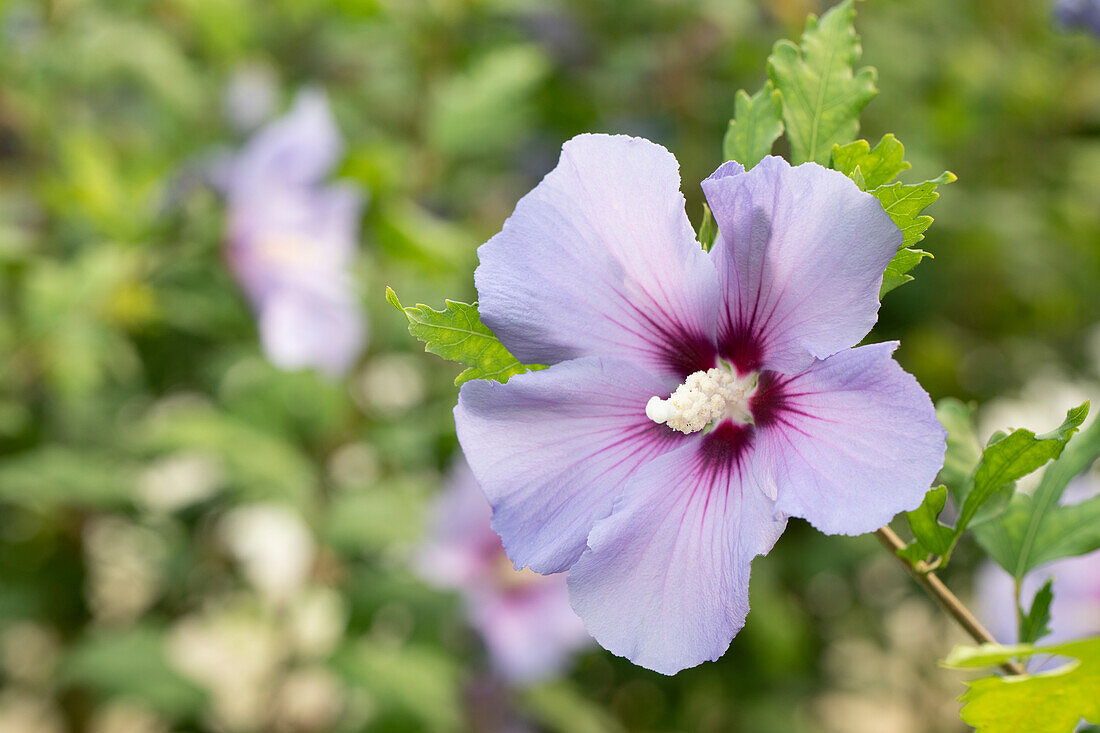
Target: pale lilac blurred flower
292,239
524,619
1075,610
656,517
1079,14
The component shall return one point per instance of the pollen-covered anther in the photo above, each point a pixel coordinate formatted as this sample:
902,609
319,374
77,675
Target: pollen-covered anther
703,399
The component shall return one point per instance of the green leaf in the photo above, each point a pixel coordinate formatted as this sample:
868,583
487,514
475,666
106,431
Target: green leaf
561,708
924,521
755,126
963,449
1013,457
57,475
905,202
896,271
416,679
913,553
985,655
1035,624
822,97
131,663
1035,529
458,334
875,167
708,229
1047,702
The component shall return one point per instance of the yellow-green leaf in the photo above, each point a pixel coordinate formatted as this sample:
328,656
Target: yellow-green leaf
1046,702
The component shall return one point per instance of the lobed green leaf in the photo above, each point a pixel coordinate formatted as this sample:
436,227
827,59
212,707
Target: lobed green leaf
756,125
905,202
874,166
822,95
458,334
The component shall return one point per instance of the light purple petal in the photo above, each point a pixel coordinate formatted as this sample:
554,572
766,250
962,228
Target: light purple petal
296,150
302,329
666,581
600,259
850,443
800,254
551,450
531,632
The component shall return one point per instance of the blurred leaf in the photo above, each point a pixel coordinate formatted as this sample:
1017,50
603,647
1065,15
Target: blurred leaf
131,663
1035,530
559,707
1035,624
303,402
375,518
488,106
924,521
822,98
755,126
421,682
57,475
408,231
458,334
877,166
1014,456
259,465
1047,702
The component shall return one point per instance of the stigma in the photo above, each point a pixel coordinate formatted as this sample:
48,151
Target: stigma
705,399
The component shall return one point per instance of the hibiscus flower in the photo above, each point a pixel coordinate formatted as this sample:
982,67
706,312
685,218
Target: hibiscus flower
693,400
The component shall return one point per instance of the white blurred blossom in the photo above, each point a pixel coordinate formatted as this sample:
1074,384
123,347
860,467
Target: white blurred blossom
309,699
21,712
236,655
126,717
179,480
354,464
316,621
391,383
273,546
29,652
124,567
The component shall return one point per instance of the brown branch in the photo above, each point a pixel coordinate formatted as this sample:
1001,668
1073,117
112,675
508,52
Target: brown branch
947,600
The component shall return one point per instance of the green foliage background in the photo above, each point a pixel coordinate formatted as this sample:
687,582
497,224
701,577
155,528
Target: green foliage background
125,343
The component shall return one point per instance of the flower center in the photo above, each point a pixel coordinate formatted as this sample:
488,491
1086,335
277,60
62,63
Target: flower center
705,398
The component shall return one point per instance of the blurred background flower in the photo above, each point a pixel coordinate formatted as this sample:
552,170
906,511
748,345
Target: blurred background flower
1079,14
291,239
145,418
524,618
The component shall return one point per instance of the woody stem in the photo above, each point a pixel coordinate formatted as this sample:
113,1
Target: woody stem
943,596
